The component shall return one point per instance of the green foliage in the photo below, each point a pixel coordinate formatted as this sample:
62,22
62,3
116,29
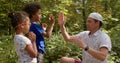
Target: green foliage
7,50
8,6
115,37
57,48
76,12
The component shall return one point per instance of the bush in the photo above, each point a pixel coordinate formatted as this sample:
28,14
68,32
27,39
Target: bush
7,50
56,48
115,37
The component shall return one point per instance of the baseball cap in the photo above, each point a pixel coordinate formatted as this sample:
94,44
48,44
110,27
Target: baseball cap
96,16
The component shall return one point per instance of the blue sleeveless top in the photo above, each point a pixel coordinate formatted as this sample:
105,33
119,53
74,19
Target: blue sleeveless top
38,30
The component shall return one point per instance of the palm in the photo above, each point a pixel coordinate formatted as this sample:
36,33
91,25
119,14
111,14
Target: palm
61,19
51,18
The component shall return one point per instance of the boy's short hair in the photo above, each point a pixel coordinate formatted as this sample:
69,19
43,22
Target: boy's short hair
31,8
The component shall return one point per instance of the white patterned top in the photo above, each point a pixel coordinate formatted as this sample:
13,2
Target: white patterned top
20,42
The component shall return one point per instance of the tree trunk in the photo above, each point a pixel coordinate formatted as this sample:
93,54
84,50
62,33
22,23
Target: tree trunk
84,15
49,61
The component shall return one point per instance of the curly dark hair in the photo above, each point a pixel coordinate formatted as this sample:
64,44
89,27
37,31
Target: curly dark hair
31,8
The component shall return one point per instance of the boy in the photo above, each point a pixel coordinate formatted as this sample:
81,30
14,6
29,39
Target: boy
34,11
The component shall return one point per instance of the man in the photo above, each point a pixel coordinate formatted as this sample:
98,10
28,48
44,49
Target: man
95,43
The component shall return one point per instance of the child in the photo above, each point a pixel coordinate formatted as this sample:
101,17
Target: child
34,11
25,48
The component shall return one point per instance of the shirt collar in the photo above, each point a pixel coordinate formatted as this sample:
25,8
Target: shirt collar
35,22
96,33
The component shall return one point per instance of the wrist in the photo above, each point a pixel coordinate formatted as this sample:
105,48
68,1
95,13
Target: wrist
33,41
52,24
86,48
62,25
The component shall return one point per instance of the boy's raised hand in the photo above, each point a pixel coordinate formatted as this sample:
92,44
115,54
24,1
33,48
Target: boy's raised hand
51,18
44,26
61,18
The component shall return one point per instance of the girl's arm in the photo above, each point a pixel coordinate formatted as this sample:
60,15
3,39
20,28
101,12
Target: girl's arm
31,48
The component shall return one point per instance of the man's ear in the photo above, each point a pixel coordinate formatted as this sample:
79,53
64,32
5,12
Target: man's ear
99,23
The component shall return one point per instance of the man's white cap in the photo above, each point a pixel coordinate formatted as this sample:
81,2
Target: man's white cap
96,16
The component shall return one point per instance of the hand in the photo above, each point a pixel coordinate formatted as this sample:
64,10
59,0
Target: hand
44,26
79,42
51,18
61,18
32,37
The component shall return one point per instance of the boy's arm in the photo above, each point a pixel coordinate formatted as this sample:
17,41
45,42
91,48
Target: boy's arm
49,32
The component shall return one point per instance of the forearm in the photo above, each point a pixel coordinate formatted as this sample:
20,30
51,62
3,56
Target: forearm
100,55
78,42
72,39
64,33
49,32
34,48
96,54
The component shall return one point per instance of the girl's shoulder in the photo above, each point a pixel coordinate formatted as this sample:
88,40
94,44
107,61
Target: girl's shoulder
22,38
18,36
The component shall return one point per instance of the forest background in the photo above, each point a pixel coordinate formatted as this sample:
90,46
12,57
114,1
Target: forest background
76,12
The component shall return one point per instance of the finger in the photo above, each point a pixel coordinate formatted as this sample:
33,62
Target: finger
44,24
51,17
61,13
50,14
